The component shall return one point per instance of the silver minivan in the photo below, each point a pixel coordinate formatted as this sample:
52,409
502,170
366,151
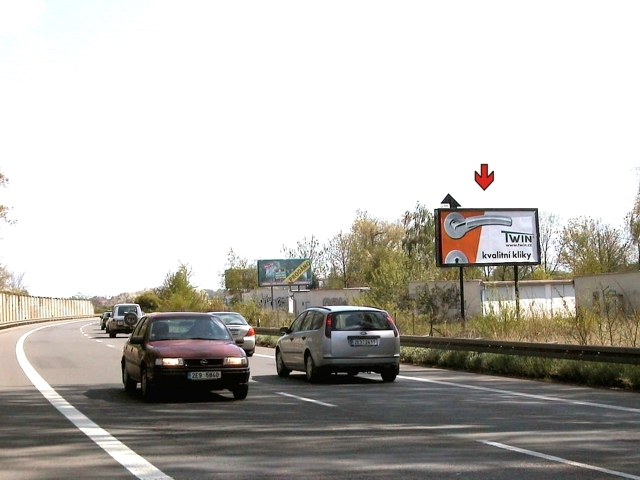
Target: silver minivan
332,339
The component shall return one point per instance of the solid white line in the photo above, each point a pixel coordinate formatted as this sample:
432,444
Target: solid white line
130,460
560,460
528,395
305,399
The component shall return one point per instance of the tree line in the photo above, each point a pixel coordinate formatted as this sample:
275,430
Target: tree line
386,255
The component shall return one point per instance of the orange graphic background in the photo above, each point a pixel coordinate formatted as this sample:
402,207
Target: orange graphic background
468,244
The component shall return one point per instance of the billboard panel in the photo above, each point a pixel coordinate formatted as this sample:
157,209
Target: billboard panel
284,272
487,236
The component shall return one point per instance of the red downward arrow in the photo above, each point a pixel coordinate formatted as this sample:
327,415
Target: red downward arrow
484,179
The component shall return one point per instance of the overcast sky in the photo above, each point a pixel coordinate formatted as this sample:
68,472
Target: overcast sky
137,136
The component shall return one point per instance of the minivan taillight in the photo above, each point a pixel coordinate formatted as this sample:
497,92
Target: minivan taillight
392,325
327,326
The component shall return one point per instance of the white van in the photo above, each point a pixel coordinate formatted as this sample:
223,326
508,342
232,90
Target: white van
124,317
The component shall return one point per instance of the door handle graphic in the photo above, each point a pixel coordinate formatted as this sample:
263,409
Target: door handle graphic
456,226
456,256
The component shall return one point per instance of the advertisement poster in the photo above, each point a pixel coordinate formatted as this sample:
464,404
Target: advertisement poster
284,272
469,237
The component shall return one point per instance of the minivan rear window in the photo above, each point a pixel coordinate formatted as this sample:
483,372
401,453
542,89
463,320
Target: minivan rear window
361,321
123,310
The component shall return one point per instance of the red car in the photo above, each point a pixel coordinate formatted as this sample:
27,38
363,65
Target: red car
174,350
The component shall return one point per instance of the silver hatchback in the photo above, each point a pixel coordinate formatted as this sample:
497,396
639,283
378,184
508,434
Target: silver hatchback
332,339
243,333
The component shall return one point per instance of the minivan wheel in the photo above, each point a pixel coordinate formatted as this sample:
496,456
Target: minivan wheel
389,375
283,371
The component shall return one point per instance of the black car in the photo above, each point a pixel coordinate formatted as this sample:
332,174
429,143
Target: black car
103,320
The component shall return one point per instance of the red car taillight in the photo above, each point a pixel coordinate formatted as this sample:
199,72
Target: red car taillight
251,333
392,325
327,326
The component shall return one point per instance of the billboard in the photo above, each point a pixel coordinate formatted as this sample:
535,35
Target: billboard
285,272
487,236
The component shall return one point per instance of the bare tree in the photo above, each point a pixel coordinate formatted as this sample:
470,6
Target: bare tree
11,282
550,230
338,253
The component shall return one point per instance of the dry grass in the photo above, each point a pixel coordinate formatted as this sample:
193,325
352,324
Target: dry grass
583,329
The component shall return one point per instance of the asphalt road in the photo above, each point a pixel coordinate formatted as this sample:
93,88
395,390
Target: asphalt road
65,415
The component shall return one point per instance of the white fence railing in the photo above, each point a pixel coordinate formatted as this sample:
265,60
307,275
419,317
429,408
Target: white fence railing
15,308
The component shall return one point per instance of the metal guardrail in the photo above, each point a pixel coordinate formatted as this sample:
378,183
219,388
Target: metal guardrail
590,353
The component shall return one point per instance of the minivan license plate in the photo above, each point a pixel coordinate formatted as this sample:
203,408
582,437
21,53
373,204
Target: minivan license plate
204,375
364,342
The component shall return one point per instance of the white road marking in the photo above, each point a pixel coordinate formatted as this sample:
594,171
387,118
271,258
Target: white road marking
130,460
528,395
263,356
144,470
304,399
510,392
560,460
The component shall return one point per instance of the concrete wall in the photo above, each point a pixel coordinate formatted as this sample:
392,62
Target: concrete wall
472,295
22,307
537,297
618,290
551,297
302,299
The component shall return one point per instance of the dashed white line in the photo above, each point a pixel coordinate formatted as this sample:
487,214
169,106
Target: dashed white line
304,399
130,460
560,460
527,395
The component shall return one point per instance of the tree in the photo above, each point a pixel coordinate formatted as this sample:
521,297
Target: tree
310,248
4,210
148,301
632,222
549,234
338,258
377,259
11,282
239,276
419,242
177,294
589,247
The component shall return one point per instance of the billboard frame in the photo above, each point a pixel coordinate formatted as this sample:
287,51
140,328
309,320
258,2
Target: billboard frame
485,214
284,272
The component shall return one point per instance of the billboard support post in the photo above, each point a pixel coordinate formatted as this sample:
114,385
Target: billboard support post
271,297
517,291
462,293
